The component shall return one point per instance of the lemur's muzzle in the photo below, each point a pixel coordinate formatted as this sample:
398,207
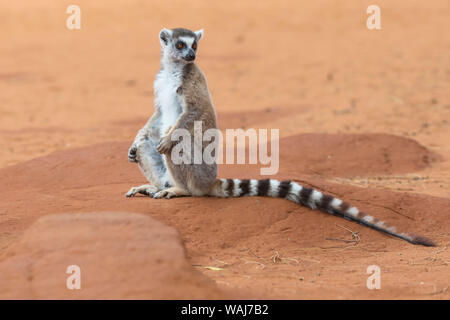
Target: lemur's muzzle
190,55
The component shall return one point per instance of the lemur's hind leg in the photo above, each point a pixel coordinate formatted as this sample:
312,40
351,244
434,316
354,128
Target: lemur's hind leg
152,165
188,179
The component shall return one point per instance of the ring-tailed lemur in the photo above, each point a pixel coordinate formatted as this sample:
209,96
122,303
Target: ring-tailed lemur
182,97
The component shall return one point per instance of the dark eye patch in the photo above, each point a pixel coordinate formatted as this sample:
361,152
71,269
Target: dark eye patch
180,45
194,45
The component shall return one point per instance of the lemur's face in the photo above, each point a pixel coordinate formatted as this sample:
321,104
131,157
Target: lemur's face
180,44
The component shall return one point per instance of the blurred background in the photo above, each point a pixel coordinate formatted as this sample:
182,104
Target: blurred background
301,66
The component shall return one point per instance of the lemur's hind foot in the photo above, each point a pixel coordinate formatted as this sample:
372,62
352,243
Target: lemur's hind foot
171,192
145,189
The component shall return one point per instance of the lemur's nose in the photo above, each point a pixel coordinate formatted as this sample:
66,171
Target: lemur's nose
190,56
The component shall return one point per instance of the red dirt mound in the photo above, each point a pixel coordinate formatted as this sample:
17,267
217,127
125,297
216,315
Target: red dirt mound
348,155
322,154
120,255
270,248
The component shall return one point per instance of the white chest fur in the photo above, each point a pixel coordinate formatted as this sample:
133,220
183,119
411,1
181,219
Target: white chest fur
166,97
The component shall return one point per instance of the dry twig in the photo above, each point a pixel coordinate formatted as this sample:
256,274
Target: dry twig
355,236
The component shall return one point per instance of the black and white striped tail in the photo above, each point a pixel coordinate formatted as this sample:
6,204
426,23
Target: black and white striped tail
309,198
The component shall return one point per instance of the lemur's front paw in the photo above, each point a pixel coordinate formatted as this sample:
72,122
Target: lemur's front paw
165,145
132,153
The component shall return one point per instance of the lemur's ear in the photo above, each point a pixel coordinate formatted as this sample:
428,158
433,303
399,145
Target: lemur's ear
164,36
199,34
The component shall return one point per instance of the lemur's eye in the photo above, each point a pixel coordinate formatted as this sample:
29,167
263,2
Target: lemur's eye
194,45
179,45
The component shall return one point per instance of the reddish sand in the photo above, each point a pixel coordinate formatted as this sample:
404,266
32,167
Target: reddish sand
363,115
242,236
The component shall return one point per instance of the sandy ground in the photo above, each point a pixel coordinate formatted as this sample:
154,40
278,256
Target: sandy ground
363,115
